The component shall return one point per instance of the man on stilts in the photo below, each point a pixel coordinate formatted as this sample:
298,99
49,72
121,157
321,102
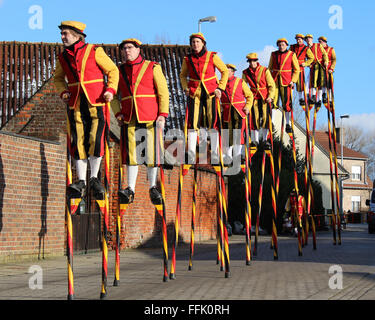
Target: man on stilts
331,55
285,69
263,88
236,102
86,94
318,85
305,58
144,107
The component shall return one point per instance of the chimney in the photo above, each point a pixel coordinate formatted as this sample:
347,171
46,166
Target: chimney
338,136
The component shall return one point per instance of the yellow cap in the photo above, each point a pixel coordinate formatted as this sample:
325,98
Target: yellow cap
282,40
232,66
252,56
323,38
299,35
198,35
309,36
74,25
131,40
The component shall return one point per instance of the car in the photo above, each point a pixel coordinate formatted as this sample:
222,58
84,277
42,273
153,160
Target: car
371,213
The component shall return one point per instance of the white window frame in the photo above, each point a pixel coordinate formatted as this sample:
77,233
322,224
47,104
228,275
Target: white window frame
356,203
356,173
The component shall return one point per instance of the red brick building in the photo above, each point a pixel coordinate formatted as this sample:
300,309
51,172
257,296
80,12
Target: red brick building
33,160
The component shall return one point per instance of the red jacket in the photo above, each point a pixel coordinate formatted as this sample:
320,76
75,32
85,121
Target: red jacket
201,67
83,73
142,96
233,96
257,81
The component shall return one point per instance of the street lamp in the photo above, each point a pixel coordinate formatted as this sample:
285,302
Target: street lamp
344,116
207,19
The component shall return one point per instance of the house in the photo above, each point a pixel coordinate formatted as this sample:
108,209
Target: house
356,186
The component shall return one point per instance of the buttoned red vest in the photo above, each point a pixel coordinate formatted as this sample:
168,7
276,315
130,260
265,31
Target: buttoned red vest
83,74
233,96
201,71
300,52
282,66
257,81
138,92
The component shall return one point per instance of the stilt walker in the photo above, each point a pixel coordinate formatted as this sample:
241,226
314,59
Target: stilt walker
199,82
144,108
263,87
285,70
79,80
328,101
236,102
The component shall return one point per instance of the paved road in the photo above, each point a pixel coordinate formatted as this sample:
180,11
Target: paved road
291,277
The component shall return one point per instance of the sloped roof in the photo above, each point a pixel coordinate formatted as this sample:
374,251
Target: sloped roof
323,139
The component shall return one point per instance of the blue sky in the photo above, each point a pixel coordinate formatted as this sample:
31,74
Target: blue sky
241,27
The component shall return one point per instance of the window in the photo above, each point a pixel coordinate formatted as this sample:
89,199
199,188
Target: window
356,203
356,173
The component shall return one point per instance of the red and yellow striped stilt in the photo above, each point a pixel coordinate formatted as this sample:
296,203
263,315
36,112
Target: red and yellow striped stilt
331,107
260,197
160,208
71,207
297,218
193,211
246,170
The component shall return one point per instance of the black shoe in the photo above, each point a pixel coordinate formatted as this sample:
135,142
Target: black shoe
288,128
97,188
254,144
267,145
325,100
301,102
312,100
126,195
318,105
155,196
77,189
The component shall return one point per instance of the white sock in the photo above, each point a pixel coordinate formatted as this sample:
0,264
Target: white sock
237,150
192,141
152,173
300,96
95,166
313,91
265,134
287,117
81,166
256,136
214,144
320,94
229,151
132,176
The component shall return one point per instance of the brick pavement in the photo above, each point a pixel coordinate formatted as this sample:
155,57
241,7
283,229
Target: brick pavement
291,277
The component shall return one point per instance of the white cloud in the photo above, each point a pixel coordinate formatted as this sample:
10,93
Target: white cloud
264,58
365,121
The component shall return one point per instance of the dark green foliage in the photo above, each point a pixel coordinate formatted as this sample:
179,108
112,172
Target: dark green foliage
236,184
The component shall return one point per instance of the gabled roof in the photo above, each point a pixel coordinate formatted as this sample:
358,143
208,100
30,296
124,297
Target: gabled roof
323,139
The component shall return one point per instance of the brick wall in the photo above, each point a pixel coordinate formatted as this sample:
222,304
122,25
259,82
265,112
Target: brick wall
32,192
44,117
